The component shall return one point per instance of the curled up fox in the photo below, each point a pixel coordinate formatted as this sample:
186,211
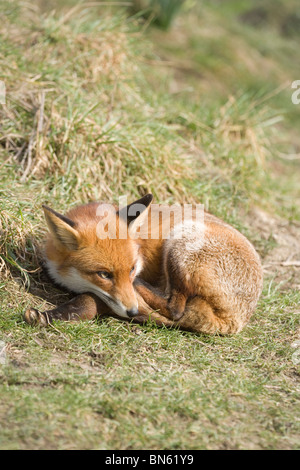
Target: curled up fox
146,260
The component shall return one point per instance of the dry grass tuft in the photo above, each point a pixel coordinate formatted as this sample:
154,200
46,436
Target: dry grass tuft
75,108
19,250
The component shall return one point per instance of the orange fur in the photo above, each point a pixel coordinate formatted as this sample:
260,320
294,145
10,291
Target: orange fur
207,280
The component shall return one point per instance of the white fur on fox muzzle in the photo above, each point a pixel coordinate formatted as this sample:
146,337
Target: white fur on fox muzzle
118,309
121,310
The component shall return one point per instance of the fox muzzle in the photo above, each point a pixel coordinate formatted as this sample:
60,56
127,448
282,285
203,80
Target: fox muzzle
133,312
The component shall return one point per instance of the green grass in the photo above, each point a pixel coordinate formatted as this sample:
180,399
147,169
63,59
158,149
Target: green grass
99,106
112,385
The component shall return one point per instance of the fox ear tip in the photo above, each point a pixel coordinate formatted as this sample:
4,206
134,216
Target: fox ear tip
149,197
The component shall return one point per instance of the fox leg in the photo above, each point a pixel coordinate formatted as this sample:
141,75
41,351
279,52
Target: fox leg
176,304
81,307
172,308
178,282
153,298
88,306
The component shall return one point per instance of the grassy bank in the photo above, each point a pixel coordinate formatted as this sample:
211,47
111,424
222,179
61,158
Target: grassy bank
99,105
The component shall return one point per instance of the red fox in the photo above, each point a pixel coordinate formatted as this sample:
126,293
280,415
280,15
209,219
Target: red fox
139,262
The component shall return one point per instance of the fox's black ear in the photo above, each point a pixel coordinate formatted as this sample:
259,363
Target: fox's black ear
62,229
134,210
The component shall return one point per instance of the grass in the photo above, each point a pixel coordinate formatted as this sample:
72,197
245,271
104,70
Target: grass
111,385
99,106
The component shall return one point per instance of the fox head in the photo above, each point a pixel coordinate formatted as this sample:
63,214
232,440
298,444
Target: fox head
94,248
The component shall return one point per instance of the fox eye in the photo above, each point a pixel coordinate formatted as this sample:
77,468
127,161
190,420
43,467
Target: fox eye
105,274
132,269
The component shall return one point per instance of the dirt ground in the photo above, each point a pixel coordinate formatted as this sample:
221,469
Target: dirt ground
282,262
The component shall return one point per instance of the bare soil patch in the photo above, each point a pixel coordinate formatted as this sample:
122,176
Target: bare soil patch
282,262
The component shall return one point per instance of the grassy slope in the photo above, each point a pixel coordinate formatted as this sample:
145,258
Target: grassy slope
185,115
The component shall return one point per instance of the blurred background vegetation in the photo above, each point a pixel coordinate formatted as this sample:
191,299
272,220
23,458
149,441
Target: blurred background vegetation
159,12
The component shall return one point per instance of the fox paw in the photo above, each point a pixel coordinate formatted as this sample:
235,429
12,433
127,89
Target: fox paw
176,305
33,317
176,315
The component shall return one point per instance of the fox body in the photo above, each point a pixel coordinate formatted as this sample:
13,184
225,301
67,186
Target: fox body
198,273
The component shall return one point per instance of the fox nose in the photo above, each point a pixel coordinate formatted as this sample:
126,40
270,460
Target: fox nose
132,312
